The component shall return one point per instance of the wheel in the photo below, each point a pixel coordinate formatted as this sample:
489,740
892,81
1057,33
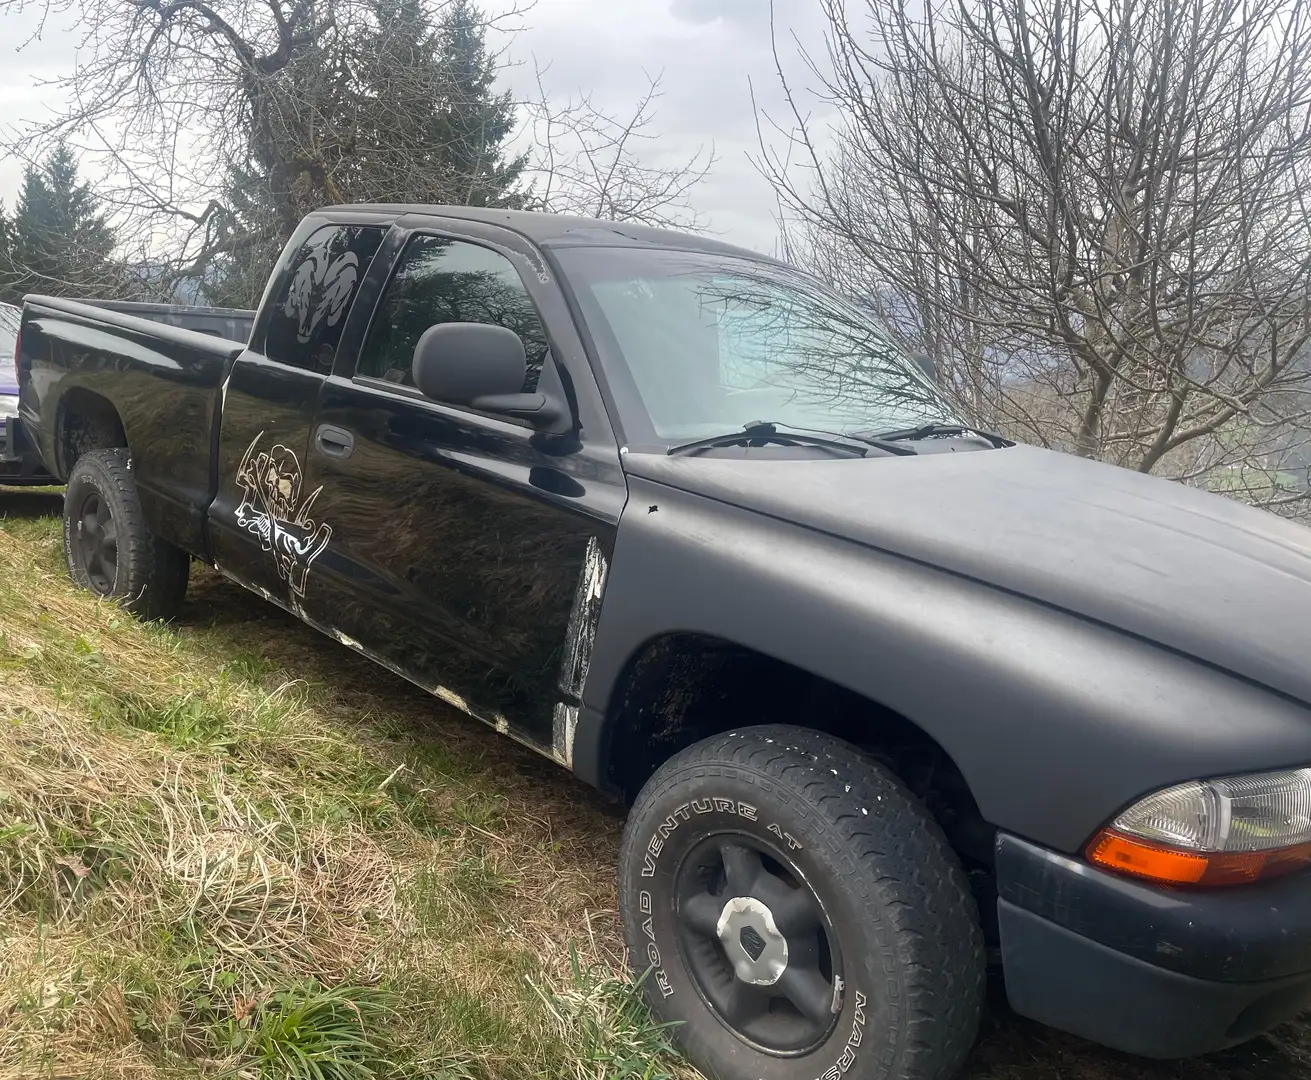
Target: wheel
798,914
109,549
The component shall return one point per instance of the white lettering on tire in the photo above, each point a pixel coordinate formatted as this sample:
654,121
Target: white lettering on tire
659,974
684,813
848,1056
792,842
656,845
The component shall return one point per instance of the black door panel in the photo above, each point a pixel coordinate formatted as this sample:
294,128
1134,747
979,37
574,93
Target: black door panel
261,525
467,551
454,557
264,527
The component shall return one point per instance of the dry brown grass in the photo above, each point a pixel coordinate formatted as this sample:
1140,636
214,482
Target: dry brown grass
315,817
194,823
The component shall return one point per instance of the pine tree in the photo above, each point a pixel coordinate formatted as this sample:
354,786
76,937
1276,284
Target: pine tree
473,122
58,241
8,279
403,111
245,245
433,127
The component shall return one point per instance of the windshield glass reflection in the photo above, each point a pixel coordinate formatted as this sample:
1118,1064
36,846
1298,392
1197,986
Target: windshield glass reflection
713,343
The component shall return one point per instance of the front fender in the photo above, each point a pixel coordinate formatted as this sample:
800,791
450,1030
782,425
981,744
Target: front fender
1056,722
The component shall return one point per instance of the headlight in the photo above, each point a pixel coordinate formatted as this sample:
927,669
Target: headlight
8,406
1213,832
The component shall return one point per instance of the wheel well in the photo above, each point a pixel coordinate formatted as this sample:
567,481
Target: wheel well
86,421
686,687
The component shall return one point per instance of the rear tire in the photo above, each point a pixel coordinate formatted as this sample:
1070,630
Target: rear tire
799,914
109,549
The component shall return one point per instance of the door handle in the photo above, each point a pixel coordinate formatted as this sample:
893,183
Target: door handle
334,441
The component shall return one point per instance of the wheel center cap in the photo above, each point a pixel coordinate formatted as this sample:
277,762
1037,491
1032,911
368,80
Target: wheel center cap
752,941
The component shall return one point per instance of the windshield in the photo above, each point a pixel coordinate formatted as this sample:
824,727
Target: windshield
10,317
705,343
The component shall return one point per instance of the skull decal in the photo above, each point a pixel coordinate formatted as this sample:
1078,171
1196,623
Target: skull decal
272,509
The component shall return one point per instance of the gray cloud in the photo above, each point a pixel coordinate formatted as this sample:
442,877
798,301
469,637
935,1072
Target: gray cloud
704,11
712,54
751,14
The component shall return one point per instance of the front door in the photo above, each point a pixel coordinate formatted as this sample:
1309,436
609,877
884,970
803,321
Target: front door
468,552
263,524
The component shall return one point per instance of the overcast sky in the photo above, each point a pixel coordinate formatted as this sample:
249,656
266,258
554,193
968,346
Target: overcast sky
710,53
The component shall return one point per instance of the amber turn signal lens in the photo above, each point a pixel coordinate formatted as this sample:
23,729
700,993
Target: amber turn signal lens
1170,866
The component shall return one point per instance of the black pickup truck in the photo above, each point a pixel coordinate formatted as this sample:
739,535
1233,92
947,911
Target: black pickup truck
888,696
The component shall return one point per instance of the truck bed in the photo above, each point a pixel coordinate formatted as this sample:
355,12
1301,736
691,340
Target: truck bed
234,324
162,379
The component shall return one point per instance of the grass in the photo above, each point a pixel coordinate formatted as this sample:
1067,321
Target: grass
233,848
226,850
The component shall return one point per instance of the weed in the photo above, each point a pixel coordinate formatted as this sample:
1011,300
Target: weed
604,1019
309,1032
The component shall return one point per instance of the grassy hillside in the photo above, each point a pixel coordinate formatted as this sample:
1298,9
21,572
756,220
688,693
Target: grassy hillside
234,848
227,847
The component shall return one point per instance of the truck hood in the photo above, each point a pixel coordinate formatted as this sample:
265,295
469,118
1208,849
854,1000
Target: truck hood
1194,572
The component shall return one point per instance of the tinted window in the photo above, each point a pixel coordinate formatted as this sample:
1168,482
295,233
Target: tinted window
440,280
310,309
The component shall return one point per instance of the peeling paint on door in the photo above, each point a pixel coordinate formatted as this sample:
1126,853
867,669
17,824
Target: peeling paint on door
583,619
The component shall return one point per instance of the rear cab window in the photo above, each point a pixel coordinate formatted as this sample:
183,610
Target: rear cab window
308,312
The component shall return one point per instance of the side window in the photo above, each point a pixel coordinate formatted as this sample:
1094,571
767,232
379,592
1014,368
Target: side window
441,280
309,311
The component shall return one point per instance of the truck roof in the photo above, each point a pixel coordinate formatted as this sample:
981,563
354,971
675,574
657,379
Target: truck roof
561,230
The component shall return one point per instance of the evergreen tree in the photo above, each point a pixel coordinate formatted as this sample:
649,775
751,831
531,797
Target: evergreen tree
404,110
434,126
57,240
245,244
473,121
7,282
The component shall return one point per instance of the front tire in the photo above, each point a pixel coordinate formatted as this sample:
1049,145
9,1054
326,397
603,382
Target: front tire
109,549
799,914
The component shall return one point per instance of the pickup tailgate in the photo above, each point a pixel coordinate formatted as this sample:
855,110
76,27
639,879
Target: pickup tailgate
89,375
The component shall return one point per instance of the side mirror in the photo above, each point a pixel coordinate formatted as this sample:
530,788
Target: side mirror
925,363
483,367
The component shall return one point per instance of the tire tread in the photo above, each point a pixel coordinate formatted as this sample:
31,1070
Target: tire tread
909,870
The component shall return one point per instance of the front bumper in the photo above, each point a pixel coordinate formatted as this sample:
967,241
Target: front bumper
19,461
1153,971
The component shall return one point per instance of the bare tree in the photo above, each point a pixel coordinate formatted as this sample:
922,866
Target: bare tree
1091,213
588,161
296,103
214,125
168,94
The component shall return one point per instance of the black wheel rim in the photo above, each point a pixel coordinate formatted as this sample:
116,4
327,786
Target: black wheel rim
758,943
97,544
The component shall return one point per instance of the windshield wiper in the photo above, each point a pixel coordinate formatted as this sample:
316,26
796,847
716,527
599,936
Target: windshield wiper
761,432
934,430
